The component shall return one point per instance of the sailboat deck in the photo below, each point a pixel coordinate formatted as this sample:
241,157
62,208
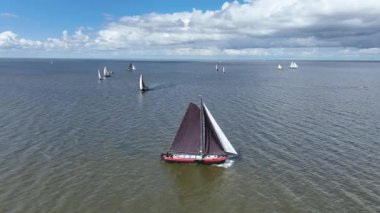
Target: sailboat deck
197,157
186,158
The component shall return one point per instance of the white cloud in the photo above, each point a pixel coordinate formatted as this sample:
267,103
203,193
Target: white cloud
252,28
7,39
8,15
374,51
107,16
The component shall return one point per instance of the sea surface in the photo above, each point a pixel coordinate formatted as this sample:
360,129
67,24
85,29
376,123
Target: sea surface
308,139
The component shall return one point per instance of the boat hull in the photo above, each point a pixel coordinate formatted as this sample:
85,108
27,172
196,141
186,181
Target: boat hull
217,160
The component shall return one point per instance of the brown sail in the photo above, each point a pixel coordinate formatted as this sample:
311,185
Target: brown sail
211,144
187,139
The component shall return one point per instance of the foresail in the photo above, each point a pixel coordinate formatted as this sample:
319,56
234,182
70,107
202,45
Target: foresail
227,146
212,144
187,139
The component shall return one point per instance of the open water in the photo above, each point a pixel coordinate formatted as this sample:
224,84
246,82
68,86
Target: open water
308,139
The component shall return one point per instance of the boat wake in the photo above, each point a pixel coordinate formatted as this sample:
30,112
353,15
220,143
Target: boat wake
161,86
226,164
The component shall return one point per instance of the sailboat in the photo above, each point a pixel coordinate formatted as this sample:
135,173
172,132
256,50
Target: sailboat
142,85
279,67
223,70
131,67
216,67
106,73
293,65
100,75
199,139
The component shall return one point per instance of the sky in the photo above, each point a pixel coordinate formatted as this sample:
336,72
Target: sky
191,29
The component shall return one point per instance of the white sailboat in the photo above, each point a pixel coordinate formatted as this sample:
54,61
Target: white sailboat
279,67
100,75
223,70
142,85
216,67
106,73
293,65
131,67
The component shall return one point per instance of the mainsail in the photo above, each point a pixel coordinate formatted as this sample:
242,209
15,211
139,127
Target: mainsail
187,139
131,67
142,84
225,143
99,75
105,72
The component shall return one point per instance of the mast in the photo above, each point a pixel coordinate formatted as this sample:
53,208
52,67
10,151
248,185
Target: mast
201,122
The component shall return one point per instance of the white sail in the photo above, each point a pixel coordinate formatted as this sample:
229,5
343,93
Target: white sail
131,67
223,70
216,67
293,65
279,67
99,75
142,85
227,146
105,71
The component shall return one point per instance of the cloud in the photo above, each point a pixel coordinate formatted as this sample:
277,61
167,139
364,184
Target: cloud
107,16
8,15
374,51
252,28
7,39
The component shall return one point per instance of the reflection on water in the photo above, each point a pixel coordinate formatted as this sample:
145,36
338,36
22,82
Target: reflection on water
194,183
191,176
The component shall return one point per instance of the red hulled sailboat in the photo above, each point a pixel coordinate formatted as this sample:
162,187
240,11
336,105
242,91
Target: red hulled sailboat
199,139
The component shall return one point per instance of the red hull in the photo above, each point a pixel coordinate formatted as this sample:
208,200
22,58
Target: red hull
220,159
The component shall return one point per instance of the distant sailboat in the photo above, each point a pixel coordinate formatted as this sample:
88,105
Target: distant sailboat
199,139
279,67
106,73
100,75
131,67
142,85
293,65
224,70
216,67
